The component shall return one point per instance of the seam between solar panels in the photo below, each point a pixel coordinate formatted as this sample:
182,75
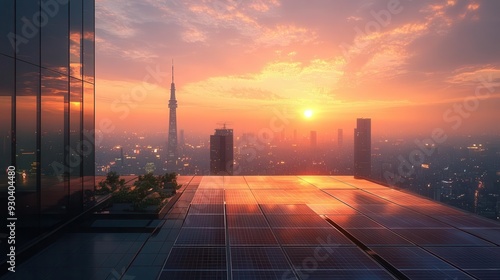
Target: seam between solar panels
374,256
426,215
408,208
228,246
173,244
289,261
147,239
347,234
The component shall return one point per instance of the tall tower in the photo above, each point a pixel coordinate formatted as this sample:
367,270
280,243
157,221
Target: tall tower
172,152
362,148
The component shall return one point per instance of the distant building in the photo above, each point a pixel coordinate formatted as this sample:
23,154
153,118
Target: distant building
362,148
340,137
314,139
221,152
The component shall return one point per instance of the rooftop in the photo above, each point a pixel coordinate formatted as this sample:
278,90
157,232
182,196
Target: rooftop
283,227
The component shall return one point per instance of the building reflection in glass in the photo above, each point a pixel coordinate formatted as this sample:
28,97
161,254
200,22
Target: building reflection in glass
47,113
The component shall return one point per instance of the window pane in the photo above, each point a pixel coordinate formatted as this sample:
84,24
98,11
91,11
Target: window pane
88,41
6,94
76,29
53,168
54,36
28,21
75,140
88,143
7,13
27,91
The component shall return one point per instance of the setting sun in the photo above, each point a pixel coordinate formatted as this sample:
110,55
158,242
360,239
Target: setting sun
308,113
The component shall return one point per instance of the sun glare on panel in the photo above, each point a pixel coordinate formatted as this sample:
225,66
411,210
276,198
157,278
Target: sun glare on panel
308,113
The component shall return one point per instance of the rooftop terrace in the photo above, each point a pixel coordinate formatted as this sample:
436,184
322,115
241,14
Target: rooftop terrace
283,227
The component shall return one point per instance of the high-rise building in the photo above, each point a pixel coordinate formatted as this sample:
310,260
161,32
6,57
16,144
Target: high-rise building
221,152
172,149
362,148
340,137
47,111
313,139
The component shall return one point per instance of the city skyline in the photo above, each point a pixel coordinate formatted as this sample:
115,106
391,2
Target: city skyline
252,62
98,183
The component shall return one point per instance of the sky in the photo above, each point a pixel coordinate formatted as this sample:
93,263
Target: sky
410,66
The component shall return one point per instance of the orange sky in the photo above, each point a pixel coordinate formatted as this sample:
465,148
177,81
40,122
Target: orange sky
408,65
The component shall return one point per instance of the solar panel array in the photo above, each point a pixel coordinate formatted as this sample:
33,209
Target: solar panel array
321,227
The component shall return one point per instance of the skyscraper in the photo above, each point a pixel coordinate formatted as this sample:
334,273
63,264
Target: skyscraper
362,148
47,111
172,150
221,152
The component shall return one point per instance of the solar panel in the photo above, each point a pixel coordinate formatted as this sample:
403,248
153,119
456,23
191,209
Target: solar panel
367,274
427,237
293,221
426,274
383,209
204,258
469,221
407,221
492,235
193,274
201,237
263,274
356,197
204,196
258,258
239,197
286,209
241,209
251,236
374,237
323,182
333,209
436,210
308,258
311,237
411,258
493,274
201,209
214,221
470,257
354,221
246,221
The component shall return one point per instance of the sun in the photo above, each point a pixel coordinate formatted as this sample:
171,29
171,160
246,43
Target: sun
308,113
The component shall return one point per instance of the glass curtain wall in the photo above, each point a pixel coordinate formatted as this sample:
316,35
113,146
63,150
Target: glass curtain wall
47,102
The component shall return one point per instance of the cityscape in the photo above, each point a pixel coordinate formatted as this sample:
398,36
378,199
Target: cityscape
463,174
230,139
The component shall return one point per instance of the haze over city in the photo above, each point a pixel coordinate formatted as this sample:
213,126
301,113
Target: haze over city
411,66
259,139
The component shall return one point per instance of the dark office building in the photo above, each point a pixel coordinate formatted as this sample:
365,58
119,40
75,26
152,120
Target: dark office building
221,152
362,148
46,111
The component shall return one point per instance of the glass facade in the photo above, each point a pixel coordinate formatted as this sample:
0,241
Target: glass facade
47,110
